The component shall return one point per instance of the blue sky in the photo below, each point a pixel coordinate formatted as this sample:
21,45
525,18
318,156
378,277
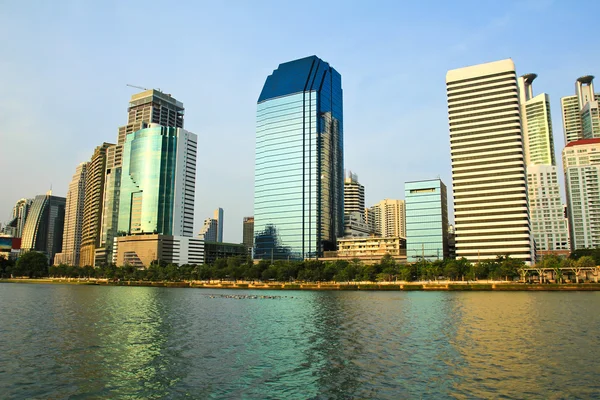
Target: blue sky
65,64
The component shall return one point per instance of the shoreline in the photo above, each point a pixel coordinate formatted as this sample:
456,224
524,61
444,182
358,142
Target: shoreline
406,286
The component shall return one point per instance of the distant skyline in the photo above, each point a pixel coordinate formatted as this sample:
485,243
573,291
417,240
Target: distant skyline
65,67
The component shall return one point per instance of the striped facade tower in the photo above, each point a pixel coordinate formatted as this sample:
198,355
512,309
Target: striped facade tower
488,163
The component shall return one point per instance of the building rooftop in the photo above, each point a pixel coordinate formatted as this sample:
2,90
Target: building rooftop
296,76
582,142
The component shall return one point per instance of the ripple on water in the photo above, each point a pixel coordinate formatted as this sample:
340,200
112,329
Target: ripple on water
135,342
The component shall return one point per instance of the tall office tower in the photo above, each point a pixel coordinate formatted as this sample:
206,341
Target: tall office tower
581,163
248,232
299,182
218,215
548,224
388,218
43,229
150,106
581,119
426,220
158,182
209,230
71,244
354,195
19,216
93,207
488,163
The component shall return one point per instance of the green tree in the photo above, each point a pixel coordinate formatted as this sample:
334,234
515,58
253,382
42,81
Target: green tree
33,264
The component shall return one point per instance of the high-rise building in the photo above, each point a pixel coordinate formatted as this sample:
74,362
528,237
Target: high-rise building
158,182
43,229
71,244
581,119
548,224
354,195
209,230
581,163
426,220
92,209
14,228
248,232
218,216
299,183
150,106
488,163
388,218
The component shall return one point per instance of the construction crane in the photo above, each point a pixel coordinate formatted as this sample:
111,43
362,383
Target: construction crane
137,87
142,88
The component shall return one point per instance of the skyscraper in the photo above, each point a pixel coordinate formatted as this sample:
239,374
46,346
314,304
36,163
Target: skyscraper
218,215
298,188
581,163
354,195
388,218
426,220
548,225
92,209
488,163
248,232
158,182
581,119
150,106
43,229
71,243
19,215
209,230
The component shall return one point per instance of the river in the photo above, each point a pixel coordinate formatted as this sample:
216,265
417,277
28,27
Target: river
68,341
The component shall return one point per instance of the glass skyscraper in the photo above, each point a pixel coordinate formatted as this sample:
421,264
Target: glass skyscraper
426,220
299,182
157,182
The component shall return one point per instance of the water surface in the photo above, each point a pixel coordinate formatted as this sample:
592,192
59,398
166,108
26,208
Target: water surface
67,341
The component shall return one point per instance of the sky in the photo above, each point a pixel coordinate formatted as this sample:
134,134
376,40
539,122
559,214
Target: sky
65,65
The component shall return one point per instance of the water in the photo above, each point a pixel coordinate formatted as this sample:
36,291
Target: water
63,341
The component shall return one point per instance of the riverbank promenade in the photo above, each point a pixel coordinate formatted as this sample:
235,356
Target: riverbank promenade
442,285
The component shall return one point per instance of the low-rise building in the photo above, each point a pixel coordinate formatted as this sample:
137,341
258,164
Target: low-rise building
141,250
369,250
215,250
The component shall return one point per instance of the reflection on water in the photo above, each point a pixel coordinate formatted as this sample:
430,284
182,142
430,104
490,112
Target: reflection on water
121,342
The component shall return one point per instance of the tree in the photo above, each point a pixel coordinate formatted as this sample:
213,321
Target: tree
33,264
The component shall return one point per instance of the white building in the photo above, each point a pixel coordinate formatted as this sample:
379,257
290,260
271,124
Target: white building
354,195
488,163
581,119
581,163
548,224
388,218
71,244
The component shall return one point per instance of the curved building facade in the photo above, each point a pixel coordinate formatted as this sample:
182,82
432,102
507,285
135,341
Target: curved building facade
299,164
43,229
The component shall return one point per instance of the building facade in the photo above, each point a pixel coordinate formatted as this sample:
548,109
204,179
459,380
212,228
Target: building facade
426,220
157,187
209,230
71,244
248,233
298,190
216,250
43,229
14,228
355,225
369,250
581,163
548,225
142,250
388,218
581,119
93,205
150,106
488,163
354,195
